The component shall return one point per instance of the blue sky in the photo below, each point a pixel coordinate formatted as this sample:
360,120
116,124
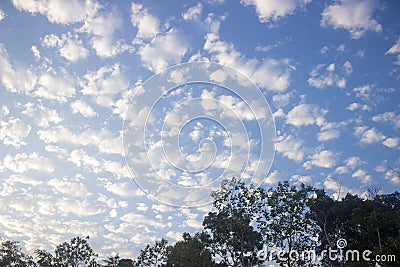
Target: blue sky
70,71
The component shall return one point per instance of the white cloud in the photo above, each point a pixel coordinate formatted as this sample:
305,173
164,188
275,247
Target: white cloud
272,74
391,142
193,12
23,162
390,174
81,159
395,50
363,91
281,100
290,147
102,139
14,131
55,87
390,117
102,27
323,159
124,189
273,178
322,76
69,46
354,106
299,179
142,221
273,10
368,136
15,79
2,15
142,206
164,50
303,115
362,175
79,106
78,207
176,236
74,189
103,85
352,15
35,52
41,115
59,11
146,23
353,162
328,135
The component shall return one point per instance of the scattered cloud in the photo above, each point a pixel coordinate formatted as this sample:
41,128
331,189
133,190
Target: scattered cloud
2,15
148,25
79,106
60,11
363,176
324,159
304,114
391,142
273,10
14,131
395,50
390,117
328,135
104,84
19,79
290,147
352,15
71,188
323,76
69,46
272,74
354,106
164,50
102,28
57,86
193,12
368,136
22,162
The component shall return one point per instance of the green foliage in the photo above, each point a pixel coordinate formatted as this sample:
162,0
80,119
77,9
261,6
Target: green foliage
11,255
290,225
189,252
155,255
372,224
228,230
76,253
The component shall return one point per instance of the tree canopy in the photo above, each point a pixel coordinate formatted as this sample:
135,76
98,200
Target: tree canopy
251,226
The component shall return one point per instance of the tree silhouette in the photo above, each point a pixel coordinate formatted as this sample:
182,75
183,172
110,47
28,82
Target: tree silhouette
189,252
11,255
229,233
75,253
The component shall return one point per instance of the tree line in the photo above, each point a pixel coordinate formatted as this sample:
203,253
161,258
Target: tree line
247,226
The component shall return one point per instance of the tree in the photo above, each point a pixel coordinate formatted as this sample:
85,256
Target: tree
229,232
76,253
290,226
116,261
155,255
11,255
189,252
112,261
126,263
